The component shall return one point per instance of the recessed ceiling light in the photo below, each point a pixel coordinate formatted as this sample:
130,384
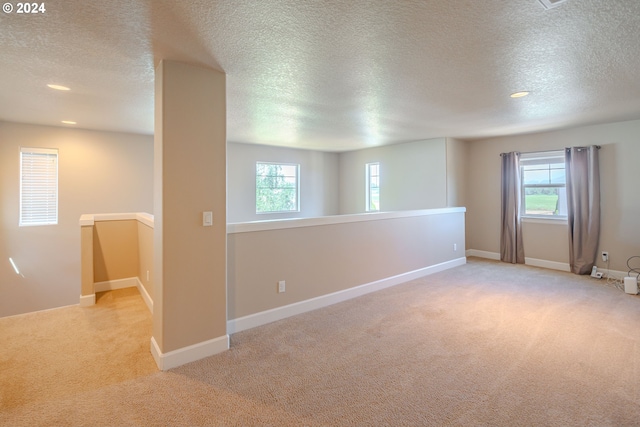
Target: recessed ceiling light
68,122
58,87
519,94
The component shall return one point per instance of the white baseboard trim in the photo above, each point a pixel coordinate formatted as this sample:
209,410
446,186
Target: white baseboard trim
534,262
483,254
272,315
145,295
182,356
87,300
553,265
110,285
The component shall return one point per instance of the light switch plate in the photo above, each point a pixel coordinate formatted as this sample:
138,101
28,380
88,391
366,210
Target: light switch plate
207,219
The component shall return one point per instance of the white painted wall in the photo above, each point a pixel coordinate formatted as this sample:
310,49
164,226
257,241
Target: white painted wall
619,179
413,175
98,172
318,181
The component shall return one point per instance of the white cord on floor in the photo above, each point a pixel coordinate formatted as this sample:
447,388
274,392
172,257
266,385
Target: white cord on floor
618,283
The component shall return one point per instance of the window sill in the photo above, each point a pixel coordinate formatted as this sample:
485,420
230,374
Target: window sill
543,220
278,212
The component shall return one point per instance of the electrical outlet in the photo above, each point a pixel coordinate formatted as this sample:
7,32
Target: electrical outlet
605,256
281,286
147,275
455,247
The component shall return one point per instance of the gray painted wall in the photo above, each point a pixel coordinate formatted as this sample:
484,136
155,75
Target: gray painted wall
318,181
619,180
413,175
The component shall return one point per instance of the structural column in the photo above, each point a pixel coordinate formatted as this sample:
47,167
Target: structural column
189,316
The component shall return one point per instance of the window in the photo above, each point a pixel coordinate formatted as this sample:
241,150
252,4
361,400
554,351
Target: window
38,186
277,187
543,184
373,187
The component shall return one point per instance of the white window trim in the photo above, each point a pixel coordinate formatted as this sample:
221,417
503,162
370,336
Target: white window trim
48,213
557,220
297,208
540,155
367,172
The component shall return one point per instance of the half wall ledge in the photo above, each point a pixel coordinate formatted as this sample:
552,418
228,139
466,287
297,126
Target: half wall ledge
324,260
116,252
320,261
91,219
277,224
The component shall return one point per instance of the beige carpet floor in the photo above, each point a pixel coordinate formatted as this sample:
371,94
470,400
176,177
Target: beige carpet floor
487,343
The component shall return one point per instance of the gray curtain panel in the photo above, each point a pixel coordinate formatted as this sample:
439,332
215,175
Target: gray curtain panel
583,206
511,247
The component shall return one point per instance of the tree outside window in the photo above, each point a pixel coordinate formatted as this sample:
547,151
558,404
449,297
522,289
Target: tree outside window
277,187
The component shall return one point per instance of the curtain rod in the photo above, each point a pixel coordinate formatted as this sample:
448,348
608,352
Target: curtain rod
547,151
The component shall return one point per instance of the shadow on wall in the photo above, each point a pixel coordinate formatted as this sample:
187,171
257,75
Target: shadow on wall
115,250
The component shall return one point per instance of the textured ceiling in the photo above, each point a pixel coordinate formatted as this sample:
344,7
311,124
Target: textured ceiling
331,75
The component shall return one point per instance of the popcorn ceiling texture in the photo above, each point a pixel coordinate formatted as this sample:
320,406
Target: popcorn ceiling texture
331,75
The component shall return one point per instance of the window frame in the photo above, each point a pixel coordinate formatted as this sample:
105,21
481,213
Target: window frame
32,188
538,158
369,186
297,187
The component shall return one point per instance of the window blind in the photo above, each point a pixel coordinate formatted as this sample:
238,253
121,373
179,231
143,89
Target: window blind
542,158
38,186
